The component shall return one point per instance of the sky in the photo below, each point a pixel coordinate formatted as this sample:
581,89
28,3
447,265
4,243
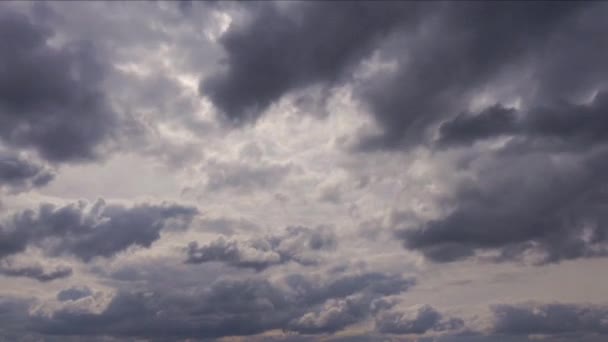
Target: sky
304,171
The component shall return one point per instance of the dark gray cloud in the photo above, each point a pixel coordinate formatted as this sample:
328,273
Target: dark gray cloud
73,293
492,122
281,48
226,308
19,174
445,52
12,241
51,99
88,231
36,272
551,319
509,338
297,244
425,319
543,194
544,207
561,125
374,283
13,317
249,307
460,50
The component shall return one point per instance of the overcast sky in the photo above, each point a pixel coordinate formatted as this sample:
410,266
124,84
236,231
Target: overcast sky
304,171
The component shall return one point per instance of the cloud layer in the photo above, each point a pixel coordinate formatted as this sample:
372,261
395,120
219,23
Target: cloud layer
303,171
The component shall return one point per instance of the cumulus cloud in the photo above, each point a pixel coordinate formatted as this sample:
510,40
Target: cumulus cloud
540,196
550,319
297,244
419,321
439,74
225,308
458,131
20,174
88,231
560,125
447,57
51,99
334,315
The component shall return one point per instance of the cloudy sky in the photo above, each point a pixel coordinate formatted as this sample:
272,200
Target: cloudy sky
303,171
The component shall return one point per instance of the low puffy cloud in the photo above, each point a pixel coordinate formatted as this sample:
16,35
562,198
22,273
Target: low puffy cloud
372,283
225,308
88,231
239,308
334,315
51,98
297,244
550,319
255,255
20,174
418,321
251,307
